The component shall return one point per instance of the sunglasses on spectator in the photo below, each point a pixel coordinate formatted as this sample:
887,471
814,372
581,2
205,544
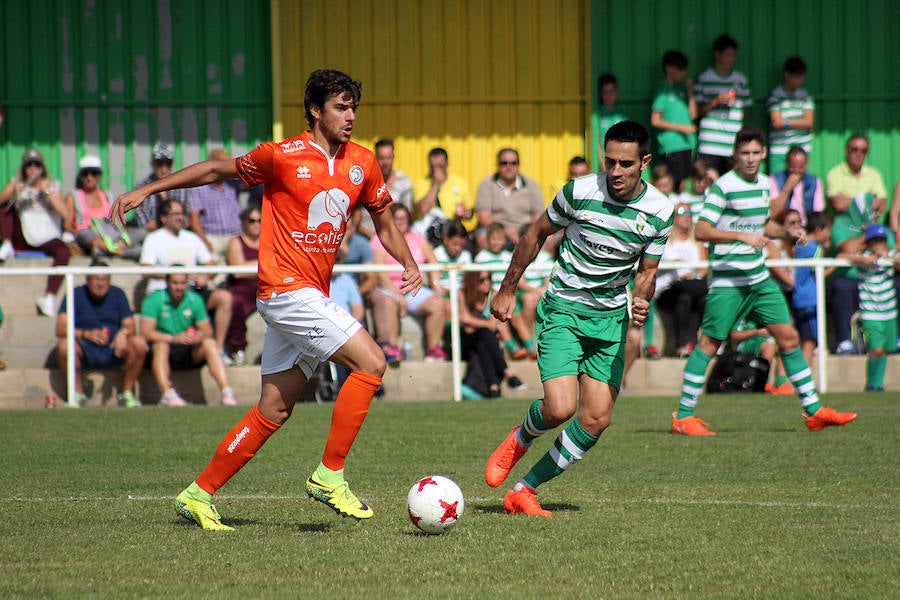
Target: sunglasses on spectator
91,173
862,149
508,163
682,210
33,163
175,214
484,278
254,220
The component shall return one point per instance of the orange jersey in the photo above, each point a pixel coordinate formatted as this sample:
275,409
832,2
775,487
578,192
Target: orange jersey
307,202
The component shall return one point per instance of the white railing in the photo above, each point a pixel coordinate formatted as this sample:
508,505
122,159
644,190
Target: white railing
70,272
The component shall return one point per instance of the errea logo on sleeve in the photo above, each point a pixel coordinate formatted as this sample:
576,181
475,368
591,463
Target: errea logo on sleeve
303,172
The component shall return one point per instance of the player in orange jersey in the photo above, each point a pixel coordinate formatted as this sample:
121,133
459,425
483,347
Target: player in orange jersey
312,184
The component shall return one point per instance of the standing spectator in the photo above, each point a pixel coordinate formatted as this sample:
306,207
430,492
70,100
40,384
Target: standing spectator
877,301
32,213
175,245
608,113
425,304
88,206
147,215
578,167
399,185
735,221
723,96
852,177
507,197
805,190
175,323
215,211
672,114
243,250
479,343
105,336
792,114
683,291
441,196
804,300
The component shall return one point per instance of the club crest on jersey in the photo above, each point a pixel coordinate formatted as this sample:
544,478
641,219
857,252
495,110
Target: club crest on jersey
303,172
292,146
356,175
640,222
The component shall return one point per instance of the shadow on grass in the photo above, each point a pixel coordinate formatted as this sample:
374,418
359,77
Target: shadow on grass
484,507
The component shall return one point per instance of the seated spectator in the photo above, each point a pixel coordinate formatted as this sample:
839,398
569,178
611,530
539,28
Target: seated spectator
32,213
88,206
399,185
441,196
578,167
694,194
683,291
215,211
2,364
105,336
507,197
426,304
806,192
804,299
662,179
748,337
173,244
783,247
452,252
345,293
877,301
534,283
243,250
479,343
147,216
175,323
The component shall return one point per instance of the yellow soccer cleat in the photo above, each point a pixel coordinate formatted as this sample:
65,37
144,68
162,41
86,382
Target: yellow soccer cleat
339,498
202,513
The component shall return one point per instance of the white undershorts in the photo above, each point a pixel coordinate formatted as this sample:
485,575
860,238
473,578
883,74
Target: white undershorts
305,327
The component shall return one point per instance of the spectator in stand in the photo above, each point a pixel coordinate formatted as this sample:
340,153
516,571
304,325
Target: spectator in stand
748,337
697,185
672,114
440,197
479,343
852,177
215,211
399,185
243,249
894,215
88,207
147,215
805,191
578,167
105,336
792,114
452,252
507,197
175,323
32,213
803,300
683,291
426,304
345,293
723,96
173,244
608,114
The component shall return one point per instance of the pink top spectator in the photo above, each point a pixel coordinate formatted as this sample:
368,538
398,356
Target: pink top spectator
414,241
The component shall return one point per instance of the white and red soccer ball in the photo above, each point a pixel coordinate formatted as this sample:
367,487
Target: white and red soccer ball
435,504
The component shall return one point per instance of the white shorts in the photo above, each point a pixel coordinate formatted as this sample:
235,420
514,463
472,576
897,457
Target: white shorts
305,327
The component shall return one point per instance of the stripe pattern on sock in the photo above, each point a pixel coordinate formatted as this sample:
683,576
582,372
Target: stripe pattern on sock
570,446
533,425
692,381
801,377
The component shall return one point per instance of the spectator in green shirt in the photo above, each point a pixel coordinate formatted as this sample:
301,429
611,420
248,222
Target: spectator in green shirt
175,323
672,116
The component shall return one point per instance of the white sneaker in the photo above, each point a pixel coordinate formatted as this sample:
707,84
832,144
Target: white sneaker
6,250
228,398
46,305
226,359
171,398
239,358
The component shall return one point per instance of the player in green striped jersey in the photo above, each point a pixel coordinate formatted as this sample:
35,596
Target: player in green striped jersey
735,223
612,221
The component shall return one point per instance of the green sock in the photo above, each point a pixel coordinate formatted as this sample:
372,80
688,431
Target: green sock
529,345
533,425
195,492
648,325
801,377
779,379
511,345
692,382
875,370
326,476
571,445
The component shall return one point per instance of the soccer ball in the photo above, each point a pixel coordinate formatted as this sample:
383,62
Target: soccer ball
435,504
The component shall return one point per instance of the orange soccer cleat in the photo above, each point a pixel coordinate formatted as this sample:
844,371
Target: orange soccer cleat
828,416
525,502
690,426
503,459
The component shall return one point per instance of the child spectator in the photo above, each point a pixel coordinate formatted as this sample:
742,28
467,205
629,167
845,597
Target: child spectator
672,114
803,300
694,194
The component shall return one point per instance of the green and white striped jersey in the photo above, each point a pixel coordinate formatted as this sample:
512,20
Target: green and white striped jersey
719,126
500,259
791,106
877,298
603,240
735,204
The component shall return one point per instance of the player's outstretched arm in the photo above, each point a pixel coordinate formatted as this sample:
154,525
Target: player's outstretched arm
202,173
644,290
394,242
529,244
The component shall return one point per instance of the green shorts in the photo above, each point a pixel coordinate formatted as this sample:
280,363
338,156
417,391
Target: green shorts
880,334
763,303
753,345
572,343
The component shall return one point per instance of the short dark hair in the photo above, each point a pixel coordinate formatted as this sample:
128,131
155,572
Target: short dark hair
322,84
795,150
749,133
724,42
437,152
384,142
629,131
857,135
245,214
795,66
816,220
454,229
166,207
502,150
674,58
606,78
578,160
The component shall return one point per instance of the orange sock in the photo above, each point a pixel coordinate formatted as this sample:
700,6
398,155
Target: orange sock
350,409
236,450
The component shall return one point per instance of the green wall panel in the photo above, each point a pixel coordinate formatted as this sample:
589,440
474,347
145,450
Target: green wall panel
112,78
850,48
